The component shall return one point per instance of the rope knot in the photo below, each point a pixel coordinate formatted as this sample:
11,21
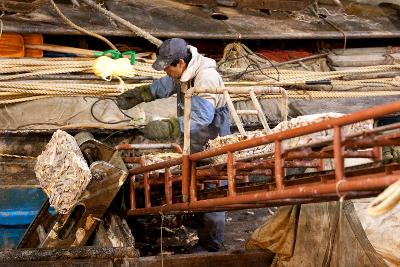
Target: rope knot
107,68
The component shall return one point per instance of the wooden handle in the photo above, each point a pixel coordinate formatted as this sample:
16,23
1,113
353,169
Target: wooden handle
62,49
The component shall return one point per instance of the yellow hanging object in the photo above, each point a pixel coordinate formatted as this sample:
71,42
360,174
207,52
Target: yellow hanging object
107,68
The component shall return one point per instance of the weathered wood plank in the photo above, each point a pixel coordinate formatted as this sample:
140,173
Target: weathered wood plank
248,258
160,19
18,173
363,60
366,51
60,257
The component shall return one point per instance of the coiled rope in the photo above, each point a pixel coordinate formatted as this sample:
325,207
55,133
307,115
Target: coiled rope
386,201
13,89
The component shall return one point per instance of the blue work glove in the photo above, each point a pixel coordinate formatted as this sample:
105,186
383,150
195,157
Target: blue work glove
134,97
162,129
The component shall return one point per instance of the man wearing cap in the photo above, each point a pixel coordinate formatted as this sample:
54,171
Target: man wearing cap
209,117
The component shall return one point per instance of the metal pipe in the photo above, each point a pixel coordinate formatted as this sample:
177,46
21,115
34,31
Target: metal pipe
231,173
323,155
366,114
338,153
193,183
146,187
168,186
307,191
185,178
278,165
136,160
156,166
132,192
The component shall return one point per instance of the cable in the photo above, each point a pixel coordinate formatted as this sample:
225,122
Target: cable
109,122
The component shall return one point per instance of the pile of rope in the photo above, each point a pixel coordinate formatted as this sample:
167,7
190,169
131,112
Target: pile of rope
17,76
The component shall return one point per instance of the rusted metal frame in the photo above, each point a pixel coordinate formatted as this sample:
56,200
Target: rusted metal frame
132,193
159,182
279,170
131,160
270,163
370,141
380,140
282,202
215,173
156,166
320,126
146,185
223,177
338,150
307,191
193,183
146,182
377,153
359,175
258,167
177,148
349,141
231,173
132,181
168,186
322,155
382,109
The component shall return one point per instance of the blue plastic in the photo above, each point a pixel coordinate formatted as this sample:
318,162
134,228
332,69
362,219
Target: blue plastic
18,208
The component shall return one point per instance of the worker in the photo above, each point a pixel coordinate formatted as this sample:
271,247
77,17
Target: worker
209,117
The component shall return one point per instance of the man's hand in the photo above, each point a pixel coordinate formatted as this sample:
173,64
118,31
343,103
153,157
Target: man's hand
162,129
134,97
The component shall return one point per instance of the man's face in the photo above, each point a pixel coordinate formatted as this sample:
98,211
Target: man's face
176,71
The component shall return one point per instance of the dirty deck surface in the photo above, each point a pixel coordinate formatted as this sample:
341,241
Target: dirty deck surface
240,225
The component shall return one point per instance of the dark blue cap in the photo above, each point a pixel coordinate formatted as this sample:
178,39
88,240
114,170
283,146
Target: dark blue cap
170,50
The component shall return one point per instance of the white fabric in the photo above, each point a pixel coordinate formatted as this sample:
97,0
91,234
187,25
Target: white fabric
203,71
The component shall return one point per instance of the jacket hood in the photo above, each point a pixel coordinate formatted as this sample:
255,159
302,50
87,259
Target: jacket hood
196,64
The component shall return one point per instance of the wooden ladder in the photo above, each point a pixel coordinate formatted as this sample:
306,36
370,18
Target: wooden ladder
257,111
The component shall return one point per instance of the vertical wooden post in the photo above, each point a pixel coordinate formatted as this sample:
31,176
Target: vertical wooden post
233,112
186,147
260,113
